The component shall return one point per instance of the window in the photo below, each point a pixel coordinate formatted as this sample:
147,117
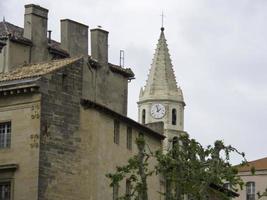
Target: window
5,134
116,132
174,116
115,191
128,188
129,138
250,188
181,116
143,116
5,191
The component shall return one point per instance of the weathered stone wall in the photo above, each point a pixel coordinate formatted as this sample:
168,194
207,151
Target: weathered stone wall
105,87
59,175
101,155
24,113
13,55
18,55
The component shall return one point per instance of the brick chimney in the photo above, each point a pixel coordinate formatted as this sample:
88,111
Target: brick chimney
99,45
35,29
74,37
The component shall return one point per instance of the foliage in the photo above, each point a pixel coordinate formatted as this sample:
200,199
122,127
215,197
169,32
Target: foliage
136,171
187,168
261,195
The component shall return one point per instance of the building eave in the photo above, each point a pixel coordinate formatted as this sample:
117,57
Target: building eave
16,87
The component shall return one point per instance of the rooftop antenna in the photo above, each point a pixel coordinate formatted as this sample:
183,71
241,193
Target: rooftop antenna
121,58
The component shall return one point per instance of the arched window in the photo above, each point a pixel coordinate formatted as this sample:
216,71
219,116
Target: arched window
174,116
250,190
143,116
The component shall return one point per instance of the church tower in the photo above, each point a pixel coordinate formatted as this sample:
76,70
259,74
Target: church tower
161,100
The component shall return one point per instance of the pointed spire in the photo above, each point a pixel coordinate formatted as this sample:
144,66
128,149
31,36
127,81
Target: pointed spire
4,20
161,79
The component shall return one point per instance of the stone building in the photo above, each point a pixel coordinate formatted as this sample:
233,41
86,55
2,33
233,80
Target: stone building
254,183
63,123
161,100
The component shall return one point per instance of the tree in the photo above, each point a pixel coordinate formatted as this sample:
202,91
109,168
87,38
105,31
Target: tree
136,171
188,169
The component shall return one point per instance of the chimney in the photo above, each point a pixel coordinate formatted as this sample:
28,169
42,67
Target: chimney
99,45
35,29
74,37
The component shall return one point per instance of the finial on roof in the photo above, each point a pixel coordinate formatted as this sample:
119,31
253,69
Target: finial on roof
162,21
4,19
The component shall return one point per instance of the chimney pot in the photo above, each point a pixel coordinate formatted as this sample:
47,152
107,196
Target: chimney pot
99,45
74,37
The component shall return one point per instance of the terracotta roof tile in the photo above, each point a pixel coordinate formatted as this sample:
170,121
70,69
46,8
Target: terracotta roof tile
35,70
260,164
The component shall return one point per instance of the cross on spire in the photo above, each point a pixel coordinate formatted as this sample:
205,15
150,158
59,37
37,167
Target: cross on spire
162,21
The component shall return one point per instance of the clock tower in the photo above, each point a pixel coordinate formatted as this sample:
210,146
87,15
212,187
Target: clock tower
161,100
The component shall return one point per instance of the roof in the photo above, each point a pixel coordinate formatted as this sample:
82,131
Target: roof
35,70
90,104
15,33
260,164
161,80
127,72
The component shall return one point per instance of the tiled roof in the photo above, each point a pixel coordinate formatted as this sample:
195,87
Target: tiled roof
16,33
35,70
260,164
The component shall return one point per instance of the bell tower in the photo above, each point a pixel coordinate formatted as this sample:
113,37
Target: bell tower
160,100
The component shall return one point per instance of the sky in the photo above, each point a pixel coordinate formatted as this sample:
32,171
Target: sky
218,50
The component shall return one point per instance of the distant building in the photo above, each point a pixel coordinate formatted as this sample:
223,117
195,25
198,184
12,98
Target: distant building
63,123
253,182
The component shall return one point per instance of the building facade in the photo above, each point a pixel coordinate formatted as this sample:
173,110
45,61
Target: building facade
254,183
63,122
161,100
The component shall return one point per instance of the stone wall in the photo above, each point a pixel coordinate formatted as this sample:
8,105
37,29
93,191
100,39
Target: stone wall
23,111
59,177
101,155
106,87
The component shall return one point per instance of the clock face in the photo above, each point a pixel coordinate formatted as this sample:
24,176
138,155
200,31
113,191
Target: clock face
157,111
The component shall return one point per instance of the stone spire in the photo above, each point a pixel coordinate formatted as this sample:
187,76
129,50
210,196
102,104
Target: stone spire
161,83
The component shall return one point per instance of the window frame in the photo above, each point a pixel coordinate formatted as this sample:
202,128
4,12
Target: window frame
9,182
129,138
143,116
174,116
6,135
115,194
250,190
116,135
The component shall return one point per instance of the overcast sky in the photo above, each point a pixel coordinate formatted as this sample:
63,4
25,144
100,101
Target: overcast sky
218,49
